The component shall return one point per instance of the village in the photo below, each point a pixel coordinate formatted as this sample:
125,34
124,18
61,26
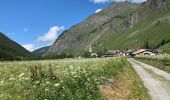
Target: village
125,53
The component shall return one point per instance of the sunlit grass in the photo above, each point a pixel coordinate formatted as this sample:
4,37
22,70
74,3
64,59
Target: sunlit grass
162,61
57,79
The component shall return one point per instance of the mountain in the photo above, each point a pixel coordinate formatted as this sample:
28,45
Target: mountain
165,48
10,50
120,26
152,26
39,52
80,37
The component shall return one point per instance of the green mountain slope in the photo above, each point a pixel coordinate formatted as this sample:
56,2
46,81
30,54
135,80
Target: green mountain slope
165,48
80,37
39,52
10,50
120,26
155,28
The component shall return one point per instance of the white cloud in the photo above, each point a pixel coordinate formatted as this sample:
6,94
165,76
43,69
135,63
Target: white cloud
12,33
105,1
51,35
29,47
137,1
99,1
98,10
133,1
26,29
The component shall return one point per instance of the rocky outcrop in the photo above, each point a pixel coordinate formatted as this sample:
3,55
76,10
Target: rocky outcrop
134,17
158,5
149,7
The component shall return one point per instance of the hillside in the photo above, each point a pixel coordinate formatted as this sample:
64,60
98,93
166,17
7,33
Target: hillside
10,50
120,26
154,28
39,52
80,37
165,48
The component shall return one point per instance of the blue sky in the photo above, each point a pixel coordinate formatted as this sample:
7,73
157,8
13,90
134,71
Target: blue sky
37,23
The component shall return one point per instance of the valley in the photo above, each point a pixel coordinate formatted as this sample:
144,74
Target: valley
120,52
70,79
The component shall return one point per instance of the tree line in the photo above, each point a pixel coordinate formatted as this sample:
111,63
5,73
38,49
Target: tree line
149,45
5,56
58,56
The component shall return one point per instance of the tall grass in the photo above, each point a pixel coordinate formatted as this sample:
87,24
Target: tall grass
58,80
161,61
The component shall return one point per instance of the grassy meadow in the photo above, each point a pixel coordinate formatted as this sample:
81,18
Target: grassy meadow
69,79
143,30
162,61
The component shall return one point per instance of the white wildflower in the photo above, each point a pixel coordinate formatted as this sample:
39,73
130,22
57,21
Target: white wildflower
1,95
37,82
46,89
57,66
11,79
20,75
47,82
2,82
56,85
71,66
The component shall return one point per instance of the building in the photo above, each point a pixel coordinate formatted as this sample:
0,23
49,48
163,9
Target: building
109,53
114,53
140,51
120,53
94,55
90,50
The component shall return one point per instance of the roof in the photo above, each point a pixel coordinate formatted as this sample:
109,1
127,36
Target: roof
110,52
144,50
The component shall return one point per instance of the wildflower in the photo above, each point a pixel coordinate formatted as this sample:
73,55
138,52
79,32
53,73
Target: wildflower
57,66
71,66
46,89
11,79
47,82
1,95
26,78
2,82
20,75
56,85
37,82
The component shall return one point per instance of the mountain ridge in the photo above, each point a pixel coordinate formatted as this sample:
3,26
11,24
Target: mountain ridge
104,30
10,50
90,27
39,52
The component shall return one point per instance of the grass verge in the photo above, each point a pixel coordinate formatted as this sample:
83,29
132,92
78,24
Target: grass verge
127,86
162,63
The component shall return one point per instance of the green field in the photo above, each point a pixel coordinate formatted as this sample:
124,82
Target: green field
153,29
162,61
78,79
165,48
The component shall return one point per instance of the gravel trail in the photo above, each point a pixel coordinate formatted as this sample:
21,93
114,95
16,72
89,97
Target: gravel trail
155,80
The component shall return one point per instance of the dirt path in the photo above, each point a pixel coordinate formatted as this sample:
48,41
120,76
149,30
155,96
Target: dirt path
155,80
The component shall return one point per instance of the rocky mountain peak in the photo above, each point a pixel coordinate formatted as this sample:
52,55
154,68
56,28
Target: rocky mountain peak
158,4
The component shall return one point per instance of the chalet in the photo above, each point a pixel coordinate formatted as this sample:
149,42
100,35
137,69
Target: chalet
110,53
120,53
94,55
140,51
113,53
